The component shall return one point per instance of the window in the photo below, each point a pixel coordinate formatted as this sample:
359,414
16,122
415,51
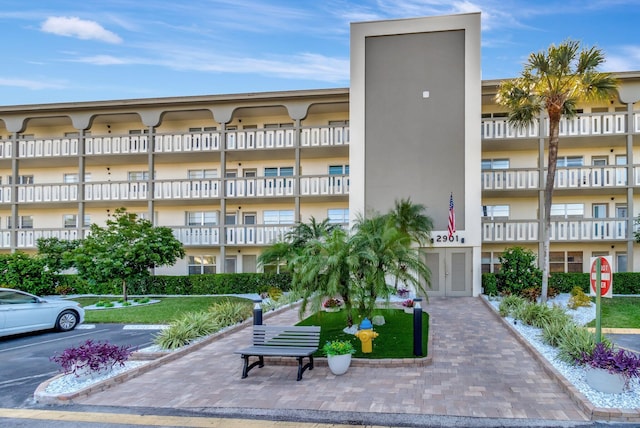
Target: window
138,175
202,218
279,125
24,222
199,265
278,217
22,179
567,210
285,171
568,161
70,221
621,262
490,262
205,129
490,164
572,260
230,264
249,218
338,215
138,131
338,169
338,123
73,177
202,173
493,211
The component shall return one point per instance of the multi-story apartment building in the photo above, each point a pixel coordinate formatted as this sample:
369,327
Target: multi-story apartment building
230,174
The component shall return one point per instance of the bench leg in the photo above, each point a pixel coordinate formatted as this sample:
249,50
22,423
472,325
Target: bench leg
302,368
246,367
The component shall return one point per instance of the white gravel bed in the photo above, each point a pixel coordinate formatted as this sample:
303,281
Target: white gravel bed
576,374
70,383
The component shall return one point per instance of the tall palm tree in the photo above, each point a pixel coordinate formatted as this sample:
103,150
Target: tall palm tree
409,218
554,82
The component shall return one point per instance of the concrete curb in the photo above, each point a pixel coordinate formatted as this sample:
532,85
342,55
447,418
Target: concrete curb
592,412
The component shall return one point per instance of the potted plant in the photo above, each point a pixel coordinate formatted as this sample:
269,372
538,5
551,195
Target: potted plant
408,306
338,354
610,370
332,305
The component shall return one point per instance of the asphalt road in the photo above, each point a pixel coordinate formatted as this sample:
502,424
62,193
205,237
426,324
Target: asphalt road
25,359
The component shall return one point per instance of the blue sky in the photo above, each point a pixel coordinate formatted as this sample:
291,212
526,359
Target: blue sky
67,50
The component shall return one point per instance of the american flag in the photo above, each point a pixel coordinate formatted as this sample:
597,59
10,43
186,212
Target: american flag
452,217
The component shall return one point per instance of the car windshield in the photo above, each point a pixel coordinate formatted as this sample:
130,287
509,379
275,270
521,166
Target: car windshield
11,298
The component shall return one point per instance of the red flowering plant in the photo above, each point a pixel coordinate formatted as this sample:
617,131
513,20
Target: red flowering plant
91,357
332,303
622,362
409,303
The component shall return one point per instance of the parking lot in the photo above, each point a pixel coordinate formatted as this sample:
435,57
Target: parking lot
25,358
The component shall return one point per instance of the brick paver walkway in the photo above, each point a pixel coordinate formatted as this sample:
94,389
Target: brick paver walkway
478,370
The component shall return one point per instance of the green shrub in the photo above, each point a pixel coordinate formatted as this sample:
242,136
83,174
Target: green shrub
227,313
489,284
578,299
518,271
510,305
573,342
535,314
190,326
565,282
552,331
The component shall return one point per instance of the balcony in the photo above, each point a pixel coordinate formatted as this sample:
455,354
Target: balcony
187,189
250,234
592,124
591,177
28,238
577,230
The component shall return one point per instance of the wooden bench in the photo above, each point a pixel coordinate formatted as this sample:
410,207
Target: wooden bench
281,341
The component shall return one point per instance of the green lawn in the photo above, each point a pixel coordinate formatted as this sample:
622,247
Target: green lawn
620,312
163,312
395,338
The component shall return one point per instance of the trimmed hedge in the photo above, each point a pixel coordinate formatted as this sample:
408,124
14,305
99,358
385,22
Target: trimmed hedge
623,282
222,283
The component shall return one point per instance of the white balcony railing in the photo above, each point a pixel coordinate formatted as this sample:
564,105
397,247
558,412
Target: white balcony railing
561,230
261,139
510,179
41,193
187,143
187,189
581,125
197,235
249,187
324,185
116,191
57,147
28,238
6,149
324,136
255,234
128,144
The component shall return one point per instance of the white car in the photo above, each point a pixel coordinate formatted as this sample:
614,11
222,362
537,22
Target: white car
22,312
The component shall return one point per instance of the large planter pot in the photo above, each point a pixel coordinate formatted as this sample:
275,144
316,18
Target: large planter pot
339,364
332,309
603,381
408,310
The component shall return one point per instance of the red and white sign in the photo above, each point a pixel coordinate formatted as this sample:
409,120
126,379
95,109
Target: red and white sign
606,276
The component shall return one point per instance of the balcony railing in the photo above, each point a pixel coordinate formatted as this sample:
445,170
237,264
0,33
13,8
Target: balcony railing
193,142
116,191
28,238
566,178
249,187
187,189
561,230
255,234
581,125
319,185
197,235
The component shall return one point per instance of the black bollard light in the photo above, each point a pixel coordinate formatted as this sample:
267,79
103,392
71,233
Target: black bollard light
257,313
417,328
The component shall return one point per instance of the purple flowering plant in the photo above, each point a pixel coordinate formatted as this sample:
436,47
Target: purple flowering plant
94,356
618,361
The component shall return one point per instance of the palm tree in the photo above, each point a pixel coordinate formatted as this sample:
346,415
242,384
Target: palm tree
409,218
554,82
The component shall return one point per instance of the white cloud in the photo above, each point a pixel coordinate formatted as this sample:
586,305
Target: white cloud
626,59
75,27
30,84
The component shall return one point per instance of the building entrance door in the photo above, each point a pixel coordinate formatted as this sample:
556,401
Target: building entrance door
451,272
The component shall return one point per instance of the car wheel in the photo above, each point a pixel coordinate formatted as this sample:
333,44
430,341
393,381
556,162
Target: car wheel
67,320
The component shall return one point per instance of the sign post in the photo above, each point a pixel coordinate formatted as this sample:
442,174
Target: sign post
601,279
